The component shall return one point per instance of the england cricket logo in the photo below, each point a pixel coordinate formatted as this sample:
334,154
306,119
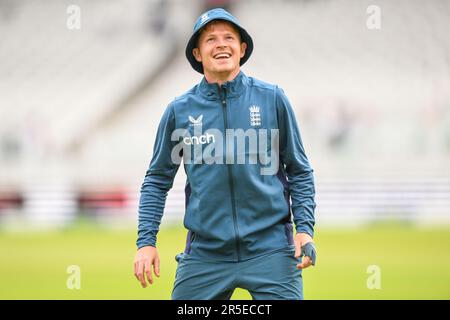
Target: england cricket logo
204,17
255,116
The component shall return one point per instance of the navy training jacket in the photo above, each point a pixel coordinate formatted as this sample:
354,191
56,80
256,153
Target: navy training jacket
240,195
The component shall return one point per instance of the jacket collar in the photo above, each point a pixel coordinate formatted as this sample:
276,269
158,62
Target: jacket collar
234,87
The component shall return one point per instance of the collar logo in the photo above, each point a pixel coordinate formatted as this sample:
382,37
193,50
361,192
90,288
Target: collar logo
255,116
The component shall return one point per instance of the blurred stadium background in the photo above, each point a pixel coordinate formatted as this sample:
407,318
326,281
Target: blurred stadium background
79,110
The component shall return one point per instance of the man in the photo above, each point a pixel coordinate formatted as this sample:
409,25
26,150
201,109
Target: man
238,211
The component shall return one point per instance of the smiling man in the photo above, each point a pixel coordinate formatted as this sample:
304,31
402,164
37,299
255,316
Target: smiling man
238,216
220,50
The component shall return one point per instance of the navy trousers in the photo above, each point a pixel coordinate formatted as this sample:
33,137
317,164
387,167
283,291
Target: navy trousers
272,276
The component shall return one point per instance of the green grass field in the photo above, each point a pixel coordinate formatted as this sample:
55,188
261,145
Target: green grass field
414,264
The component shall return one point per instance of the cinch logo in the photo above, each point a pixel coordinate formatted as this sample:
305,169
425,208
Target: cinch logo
255,116
203,139
196,122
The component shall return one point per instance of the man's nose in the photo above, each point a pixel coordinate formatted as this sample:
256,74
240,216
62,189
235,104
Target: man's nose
221,43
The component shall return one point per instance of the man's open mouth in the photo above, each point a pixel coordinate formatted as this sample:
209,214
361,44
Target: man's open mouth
222,56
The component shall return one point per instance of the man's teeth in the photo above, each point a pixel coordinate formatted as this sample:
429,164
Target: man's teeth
219,56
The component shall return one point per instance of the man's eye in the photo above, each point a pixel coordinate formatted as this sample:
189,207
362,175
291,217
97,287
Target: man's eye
210,40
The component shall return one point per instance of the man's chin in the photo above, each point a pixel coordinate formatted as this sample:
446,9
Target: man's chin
224,69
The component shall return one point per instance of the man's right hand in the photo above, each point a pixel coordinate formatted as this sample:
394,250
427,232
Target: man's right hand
144,259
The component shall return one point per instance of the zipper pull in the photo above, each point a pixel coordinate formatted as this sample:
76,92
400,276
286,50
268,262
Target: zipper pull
224,90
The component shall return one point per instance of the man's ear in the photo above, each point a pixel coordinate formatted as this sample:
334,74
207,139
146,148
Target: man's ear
197,55
243,49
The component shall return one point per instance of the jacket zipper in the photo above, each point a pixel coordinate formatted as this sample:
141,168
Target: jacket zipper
223,97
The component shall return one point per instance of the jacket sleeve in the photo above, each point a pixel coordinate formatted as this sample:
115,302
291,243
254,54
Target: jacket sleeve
157,182
296,165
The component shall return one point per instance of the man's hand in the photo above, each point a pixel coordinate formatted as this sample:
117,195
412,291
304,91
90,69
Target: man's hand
145,258
300,240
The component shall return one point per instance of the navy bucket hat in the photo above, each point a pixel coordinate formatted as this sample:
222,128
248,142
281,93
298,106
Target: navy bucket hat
203,20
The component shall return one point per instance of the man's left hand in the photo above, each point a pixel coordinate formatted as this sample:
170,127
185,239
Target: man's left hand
304,242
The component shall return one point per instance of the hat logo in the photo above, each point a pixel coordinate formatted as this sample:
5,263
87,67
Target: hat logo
204,17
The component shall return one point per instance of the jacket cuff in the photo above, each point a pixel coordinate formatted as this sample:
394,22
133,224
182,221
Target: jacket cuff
305,229
146,242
